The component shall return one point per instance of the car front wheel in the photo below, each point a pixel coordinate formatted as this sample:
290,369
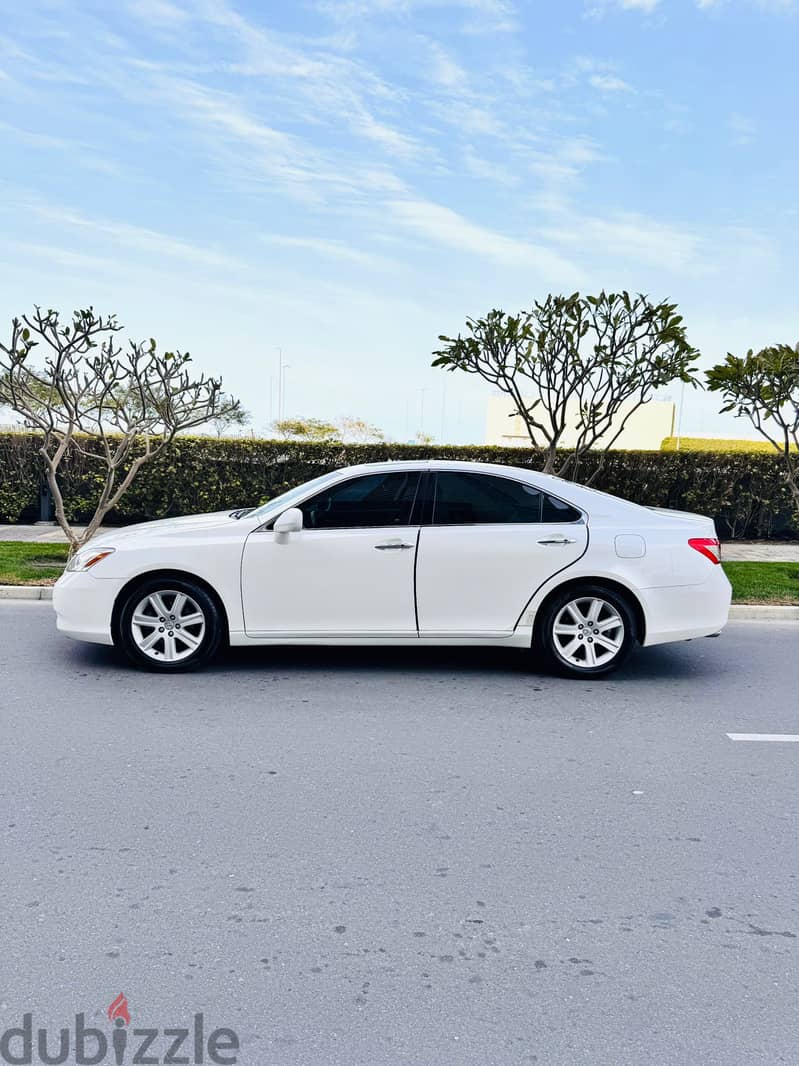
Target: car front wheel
169,624
586,631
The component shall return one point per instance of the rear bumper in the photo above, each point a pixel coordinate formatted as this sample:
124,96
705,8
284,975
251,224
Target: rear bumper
83,605
683,612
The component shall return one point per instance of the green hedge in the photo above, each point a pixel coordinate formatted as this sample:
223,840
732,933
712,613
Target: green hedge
745,493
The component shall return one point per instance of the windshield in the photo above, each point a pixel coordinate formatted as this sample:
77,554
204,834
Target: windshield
287,499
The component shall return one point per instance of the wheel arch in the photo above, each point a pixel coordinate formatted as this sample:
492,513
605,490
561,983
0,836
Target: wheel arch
167,573
602,582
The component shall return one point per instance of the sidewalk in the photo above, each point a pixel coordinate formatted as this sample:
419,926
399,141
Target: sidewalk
41,533
731,550
761,551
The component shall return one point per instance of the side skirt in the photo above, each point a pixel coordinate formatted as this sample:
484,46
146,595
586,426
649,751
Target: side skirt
520,638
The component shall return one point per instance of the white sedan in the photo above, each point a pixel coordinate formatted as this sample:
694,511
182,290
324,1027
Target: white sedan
405,553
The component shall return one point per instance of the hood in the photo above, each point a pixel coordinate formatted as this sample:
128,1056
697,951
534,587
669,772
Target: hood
164,527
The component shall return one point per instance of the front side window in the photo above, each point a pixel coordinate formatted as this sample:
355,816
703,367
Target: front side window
373,500
463,499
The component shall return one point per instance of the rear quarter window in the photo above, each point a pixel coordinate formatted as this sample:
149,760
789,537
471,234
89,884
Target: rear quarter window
555,510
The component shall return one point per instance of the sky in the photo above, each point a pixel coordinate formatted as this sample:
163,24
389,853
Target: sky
344,180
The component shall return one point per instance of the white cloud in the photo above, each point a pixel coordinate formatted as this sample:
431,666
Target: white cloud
489,170
446,72
776,6
334,249
595,9
159,12
742,129
314,81
137,238
609,83
442,225
497,16
600,74
257,152
629,236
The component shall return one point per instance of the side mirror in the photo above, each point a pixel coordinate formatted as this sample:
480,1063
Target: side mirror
289,522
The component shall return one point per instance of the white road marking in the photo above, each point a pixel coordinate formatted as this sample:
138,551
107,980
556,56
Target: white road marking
773,738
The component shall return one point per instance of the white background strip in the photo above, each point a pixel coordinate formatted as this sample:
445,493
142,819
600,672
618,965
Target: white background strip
775,738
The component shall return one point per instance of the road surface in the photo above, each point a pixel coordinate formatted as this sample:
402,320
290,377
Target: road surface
368,856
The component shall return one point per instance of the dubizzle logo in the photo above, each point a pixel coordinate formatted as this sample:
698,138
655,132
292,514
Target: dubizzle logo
22,1045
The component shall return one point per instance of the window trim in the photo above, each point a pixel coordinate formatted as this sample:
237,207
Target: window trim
268,526
582,519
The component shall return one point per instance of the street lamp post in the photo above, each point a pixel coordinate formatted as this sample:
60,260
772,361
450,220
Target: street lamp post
281,384
286,366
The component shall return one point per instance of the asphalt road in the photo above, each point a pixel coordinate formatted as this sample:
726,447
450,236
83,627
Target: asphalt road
368,857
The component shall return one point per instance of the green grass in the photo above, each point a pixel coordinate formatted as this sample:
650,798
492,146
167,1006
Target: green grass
41,564
30,564
763,582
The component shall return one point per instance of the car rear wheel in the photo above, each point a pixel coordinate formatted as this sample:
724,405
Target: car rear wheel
586,631
169,624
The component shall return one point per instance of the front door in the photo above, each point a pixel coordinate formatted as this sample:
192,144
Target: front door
492,542
348,572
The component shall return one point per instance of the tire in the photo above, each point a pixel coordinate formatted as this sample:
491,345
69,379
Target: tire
578,627
152,645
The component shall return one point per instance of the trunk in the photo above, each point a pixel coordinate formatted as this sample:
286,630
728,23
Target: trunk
58,505
598,469
793,484
550,458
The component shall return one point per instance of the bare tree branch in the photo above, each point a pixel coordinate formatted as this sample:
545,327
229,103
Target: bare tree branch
119,407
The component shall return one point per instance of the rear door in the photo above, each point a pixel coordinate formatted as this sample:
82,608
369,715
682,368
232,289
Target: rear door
491,543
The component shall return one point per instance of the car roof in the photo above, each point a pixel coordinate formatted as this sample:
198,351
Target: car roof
445,464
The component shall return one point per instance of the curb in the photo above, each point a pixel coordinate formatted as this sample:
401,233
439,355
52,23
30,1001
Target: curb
26,592
762,612
739,612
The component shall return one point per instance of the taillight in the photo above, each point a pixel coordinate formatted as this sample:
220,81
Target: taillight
707,546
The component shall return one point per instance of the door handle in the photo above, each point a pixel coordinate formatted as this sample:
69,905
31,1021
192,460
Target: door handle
556,540
393,546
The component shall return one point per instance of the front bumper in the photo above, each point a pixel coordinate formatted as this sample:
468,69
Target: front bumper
83,605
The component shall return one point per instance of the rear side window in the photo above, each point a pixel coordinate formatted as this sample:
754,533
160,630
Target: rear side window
362,502
463,499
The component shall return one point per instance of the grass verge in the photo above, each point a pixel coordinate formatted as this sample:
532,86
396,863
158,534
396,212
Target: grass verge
763,582
31,564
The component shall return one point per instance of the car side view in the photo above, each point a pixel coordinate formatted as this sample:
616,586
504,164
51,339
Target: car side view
405,553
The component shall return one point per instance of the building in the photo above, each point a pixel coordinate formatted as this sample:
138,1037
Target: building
645,429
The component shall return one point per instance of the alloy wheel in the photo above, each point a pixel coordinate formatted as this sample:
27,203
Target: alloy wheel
588,632
167,625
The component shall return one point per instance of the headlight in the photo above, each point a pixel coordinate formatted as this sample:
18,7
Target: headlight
87,558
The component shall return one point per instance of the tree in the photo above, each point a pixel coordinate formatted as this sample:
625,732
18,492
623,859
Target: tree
346,430
306,429
119,408
358,431
574,362
765,389
231,418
